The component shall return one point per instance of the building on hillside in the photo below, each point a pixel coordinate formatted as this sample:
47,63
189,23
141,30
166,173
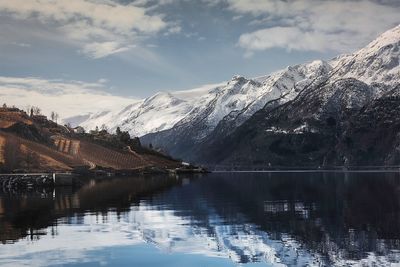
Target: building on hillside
79,130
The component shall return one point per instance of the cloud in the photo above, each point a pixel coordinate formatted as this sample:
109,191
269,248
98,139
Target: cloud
24,45
99,28
102,49
293,38
68,98
314,25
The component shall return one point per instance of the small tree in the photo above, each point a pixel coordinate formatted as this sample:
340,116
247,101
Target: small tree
4,105
125,137
104,127
118,131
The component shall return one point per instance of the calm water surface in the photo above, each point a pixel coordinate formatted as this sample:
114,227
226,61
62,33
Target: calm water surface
230,219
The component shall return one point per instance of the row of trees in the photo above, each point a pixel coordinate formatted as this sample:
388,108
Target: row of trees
36,111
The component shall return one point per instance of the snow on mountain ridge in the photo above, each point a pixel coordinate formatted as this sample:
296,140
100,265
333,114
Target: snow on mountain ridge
213,102
378,62
389,37
155,113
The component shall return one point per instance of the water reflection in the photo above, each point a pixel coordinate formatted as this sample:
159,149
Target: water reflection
292,219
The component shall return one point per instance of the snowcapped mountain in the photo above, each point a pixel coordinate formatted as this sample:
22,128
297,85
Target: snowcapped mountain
185,123
338,120
239,97
298,100
378,62
232,104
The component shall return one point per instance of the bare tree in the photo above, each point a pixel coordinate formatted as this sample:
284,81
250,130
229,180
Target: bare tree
54,116
35,111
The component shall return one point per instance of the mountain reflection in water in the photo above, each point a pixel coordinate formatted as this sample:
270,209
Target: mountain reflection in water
221,219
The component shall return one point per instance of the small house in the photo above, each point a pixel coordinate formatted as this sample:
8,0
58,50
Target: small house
79,130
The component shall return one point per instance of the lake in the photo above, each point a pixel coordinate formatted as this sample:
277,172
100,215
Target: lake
219,219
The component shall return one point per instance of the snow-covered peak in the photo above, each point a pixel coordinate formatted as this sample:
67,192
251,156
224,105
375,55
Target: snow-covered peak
237,78
378,62
388,38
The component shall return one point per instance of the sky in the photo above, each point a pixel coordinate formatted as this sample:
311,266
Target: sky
87,54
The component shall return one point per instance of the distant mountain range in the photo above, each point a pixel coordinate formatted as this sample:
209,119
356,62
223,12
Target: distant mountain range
339,112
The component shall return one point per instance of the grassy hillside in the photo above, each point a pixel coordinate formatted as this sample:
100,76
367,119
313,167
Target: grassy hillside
36,144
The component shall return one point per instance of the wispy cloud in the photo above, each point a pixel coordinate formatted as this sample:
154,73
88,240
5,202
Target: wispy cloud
102,49
99,28
68,98
314,25
24,45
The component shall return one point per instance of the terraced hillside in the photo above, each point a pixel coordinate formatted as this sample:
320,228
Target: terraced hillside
29,143
96,155
20,153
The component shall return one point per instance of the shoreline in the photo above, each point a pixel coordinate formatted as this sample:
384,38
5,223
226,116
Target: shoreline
56,179
104,174
310,171
303,169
